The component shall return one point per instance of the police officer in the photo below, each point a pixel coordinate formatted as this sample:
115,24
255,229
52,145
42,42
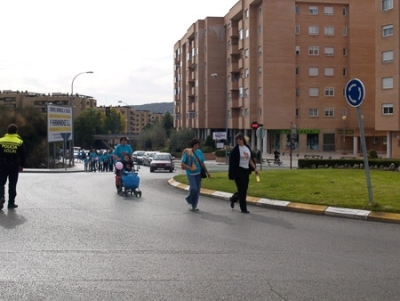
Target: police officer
12,160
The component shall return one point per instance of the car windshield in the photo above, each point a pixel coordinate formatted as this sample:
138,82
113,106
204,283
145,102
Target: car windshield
140,153
161,157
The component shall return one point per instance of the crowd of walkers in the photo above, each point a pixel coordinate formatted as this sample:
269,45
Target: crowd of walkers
95,160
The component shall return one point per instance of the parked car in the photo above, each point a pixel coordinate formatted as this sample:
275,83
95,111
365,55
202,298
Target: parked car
162,161
148,157
137,156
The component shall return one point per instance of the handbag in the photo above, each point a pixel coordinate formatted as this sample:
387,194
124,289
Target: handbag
202,170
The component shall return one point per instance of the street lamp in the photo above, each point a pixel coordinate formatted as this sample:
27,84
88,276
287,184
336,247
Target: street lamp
72,116
215,75
128,111
344,117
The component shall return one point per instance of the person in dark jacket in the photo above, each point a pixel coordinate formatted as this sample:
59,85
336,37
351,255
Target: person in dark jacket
241,164
12,160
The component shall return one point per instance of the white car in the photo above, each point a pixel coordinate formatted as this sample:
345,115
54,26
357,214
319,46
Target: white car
148,156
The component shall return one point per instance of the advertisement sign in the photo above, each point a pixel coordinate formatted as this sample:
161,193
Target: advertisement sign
59,123
219,135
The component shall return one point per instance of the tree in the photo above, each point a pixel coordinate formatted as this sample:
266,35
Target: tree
88,124
181,139
113,124
168,123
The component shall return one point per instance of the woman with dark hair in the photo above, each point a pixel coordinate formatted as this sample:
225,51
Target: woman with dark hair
192,162
241,164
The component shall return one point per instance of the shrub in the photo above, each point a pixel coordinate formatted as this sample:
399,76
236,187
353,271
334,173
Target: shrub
372,154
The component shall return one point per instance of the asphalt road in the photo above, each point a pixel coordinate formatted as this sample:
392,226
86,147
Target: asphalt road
74,238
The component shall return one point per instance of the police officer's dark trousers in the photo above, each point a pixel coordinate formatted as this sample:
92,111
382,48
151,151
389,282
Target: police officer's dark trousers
10,171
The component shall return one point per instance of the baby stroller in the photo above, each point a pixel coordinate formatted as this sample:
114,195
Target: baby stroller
127,182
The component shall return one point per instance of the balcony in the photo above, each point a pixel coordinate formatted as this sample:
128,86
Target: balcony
233,85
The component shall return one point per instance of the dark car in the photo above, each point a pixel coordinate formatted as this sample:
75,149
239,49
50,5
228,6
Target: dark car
162,161
137,157
148,157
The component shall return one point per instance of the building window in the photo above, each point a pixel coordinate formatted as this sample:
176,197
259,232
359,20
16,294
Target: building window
246,92
313,30
246,52
344,11
259,29
297,9
260,9
328,10
329,91
313,10
329,30
259,50
241,34
297,71
313,50
387,30
246,72
246,33
246,14
329,71
241,92
387,83
387,4
329,51
297,112
297,50
329,112
387,109
344,71
313,112
259,112
259,70
345,51
259,91
297,91
313,71
297,29
387,56
344,31
313,92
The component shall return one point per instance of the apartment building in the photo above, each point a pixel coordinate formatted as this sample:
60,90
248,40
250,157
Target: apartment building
20,99
135,120
285,65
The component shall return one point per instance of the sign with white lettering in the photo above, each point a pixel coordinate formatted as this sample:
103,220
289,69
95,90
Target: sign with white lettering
59,123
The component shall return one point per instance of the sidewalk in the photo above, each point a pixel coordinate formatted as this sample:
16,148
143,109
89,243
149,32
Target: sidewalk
292,206
78,167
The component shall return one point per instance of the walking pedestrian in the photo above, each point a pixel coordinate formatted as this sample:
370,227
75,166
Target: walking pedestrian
241,164
192,162
122,148
12,160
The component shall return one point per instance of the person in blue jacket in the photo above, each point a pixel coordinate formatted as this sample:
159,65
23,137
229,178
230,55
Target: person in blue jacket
192,161
122,149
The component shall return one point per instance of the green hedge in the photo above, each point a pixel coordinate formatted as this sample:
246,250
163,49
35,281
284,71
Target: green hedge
309,163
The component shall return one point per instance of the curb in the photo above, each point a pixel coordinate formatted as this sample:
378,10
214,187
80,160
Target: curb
45,170
302,208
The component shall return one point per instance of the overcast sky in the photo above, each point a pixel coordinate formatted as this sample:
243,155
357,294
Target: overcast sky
128,44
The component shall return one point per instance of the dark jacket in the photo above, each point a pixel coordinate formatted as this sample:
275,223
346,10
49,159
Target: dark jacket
12,150
234,160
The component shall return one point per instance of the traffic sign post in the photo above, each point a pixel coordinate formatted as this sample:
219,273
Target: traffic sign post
355,94
260,133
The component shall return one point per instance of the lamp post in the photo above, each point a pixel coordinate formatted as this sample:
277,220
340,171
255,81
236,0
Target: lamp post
72,116
344,117
215,75
129,117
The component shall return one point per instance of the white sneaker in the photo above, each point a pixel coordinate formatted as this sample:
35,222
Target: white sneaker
196,209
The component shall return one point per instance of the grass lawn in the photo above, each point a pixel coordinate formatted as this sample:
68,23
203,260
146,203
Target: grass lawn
334,187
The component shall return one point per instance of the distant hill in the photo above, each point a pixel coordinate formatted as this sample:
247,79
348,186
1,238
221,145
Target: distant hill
158,107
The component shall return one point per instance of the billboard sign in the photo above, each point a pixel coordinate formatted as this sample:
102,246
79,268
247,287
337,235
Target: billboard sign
59,123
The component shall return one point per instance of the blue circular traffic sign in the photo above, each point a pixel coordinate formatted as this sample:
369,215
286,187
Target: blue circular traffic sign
355,92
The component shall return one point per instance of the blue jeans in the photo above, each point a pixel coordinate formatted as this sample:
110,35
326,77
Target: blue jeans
194,190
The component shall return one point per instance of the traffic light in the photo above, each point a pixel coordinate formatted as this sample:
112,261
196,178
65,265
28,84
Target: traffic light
254,125
108,111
